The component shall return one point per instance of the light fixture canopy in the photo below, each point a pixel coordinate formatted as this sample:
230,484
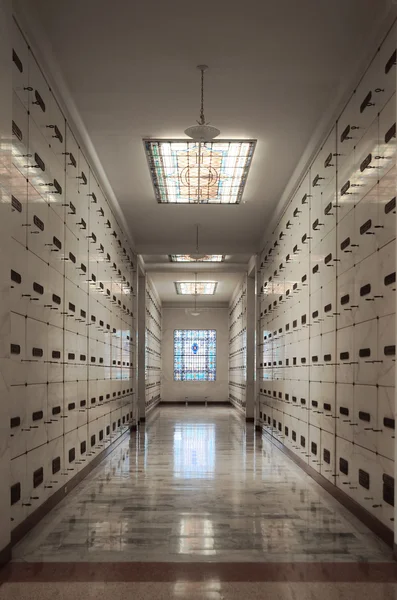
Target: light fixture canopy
203,131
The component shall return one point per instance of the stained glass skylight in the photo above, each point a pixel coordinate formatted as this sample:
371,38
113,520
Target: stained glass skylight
185,171
196,288
192,258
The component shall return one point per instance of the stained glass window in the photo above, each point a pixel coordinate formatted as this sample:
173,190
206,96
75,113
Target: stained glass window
194,355
190,172
192,258
196,287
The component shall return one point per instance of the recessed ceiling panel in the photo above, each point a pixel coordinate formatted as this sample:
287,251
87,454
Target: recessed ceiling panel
188,258
195,287
187,172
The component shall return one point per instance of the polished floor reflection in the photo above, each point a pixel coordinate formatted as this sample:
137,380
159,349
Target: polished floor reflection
197,484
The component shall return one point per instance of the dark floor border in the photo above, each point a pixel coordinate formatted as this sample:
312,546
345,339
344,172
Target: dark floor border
199,572
358,511
23,528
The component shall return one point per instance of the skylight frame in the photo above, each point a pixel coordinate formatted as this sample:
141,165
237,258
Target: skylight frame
179,286
166,186
177,258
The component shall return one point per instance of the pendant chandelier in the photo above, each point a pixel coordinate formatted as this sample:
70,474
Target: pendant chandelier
197,257
195,312
203,132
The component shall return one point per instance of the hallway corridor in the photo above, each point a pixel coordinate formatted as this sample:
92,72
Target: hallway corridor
197,484
198,307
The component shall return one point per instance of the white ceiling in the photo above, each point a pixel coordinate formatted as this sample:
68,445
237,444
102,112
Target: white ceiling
278,72
275,69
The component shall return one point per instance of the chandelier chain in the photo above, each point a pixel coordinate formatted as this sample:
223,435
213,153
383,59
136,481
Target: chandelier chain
202,119
195,292
202,132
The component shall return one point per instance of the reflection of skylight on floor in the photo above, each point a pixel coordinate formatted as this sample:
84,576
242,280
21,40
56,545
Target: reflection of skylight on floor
198,288
190,172
192,258
194,451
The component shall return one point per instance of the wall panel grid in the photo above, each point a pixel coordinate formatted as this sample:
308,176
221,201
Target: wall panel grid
72,367
238,347
326,334
153,327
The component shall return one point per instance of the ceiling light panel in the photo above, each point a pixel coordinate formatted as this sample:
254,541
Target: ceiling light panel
188,172
186,258
199,288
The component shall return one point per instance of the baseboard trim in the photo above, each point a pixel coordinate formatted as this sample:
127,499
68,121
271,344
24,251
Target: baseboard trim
356,509
151,408
238,408
23,528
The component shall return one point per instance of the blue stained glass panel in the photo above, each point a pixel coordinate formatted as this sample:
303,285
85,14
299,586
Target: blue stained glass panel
194,355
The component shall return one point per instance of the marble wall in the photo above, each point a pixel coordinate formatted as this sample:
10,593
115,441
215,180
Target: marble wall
72,275
238,321
153,334
326,334
5,207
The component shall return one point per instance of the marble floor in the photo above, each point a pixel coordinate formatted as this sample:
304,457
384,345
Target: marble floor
197,505
197,484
